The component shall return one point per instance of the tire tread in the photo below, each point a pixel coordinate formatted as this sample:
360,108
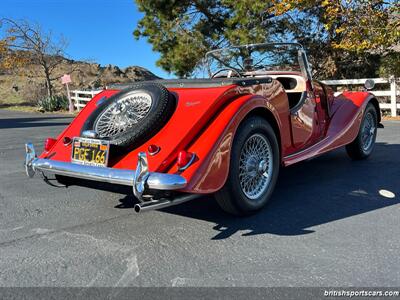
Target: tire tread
355,149
158,116
229,197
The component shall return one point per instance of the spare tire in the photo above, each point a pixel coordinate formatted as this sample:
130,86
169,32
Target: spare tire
130,117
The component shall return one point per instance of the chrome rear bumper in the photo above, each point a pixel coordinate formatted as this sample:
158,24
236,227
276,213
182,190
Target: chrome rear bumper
140,179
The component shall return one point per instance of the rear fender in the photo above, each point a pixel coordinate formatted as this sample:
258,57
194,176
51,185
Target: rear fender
194,106
347,117
213,147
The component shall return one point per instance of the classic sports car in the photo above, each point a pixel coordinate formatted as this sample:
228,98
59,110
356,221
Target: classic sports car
171,141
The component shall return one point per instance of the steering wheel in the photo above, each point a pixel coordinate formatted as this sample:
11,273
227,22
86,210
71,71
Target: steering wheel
230,71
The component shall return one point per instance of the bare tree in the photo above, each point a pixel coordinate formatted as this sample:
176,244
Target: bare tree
36,46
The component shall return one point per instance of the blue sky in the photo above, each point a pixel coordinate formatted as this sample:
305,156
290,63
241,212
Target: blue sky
98,30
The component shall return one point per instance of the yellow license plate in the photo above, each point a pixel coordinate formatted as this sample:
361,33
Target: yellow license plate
90,152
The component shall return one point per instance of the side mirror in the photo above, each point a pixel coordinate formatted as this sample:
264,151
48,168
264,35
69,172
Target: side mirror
369,84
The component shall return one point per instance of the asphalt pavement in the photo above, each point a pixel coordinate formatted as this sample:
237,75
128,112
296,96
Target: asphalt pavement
331,222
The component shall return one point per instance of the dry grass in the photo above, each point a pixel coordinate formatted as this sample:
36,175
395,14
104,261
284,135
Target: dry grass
24,90
389,118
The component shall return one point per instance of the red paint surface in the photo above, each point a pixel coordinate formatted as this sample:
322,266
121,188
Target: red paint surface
346,115
205,122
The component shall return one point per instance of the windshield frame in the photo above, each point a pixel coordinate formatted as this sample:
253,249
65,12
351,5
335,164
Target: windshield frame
302,57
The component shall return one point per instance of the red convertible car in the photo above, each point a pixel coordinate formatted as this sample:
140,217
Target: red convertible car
171,141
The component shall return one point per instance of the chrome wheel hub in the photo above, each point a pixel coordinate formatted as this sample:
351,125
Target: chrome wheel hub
123,114
368,132
255,166
262,167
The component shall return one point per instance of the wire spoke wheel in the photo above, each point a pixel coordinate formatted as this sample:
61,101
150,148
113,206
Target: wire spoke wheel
253,170
123,114
363,144
368,132
255,166
130,117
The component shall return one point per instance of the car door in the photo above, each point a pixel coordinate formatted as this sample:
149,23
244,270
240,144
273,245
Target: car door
305,122
322,107
309,119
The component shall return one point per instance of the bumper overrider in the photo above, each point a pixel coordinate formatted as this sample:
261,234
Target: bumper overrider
141,180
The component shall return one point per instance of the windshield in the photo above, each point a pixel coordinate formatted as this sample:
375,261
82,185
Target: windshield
256,59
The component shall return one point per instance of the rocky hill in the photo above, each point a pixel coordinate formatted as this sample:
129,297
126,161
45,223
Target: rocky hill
24,87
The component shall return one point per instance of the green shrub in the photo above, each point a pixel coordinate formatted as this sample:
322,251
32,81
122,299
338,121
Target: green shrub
53,103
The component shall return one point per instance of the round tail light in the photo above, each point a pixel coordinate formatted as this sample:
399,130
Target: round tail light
185,159
67,140
153,149
49,143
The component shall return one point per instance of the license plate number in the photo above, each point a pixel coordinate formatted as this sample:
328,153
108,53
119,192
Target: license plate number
90,152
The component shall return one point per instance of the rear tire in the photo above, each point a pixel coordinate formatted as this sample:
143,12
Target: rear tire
363,145
254,168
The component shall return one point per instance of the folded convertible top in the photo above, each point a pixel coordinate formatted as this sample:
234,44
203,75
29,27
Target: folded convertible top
202,83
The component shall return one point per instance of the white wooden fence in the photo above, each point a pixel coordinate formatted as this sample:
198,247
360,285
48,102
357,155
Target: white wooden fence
389,99
80,98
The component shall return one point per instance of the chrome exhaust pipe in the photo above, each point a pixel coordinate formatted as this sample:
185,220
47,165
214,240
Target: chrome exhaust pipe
162,203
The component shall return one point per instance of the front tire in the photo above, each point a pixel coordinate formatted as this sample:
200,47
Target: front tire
254,168
364,143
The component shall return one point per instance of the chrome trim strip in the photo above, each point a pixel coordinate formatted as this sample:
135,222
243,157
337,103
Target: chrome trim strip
310,148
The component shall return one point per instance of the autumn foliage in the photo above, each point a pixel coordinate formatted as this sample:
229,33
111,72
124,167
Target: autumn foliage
351,25
10,59
344,38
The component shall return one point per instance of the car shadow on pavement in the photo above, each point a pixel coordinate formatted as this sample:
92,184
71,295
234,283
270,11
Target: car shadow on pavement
8,123
326,189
